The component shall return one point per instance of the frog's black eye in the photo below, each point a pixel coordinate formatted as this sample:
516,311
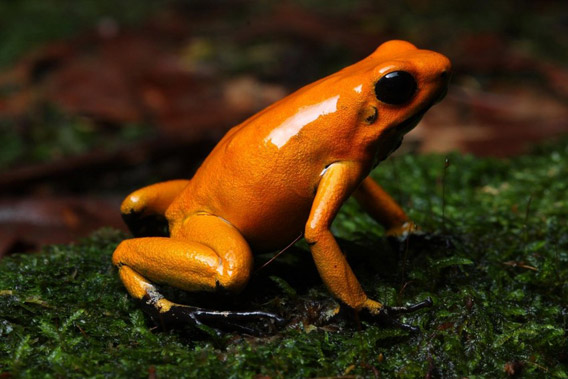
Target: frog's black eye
395,88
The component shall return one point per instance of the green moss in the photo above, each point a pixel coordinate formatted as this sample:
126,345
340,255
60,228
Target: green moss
496,266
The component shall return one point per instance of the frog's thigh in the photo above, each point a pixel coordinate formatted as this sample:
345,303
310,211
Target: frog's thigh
153,199
236,260
220,257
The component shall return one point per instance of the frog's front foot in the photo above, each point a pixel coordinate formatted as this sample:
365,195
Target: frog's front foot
255,323
388,314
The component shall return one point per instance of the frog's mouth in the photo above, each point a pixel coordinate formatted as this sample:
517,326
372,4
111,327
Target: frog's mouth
403,128
410,123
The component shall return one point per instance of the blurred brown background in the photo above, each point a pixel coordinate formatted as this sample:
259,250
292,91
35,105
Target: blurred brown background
98,98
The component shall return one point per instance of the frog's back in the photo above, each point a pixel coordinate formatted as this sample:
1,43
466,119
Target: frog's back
262,176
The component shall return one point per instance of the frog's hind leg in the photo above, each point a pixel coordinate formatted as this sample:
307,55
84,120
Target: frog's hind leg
144,209
383,208
170,313
208,254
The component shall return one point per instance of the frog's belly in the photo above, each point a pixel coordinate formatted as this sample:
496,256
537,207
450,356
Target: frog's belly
268,200
269,225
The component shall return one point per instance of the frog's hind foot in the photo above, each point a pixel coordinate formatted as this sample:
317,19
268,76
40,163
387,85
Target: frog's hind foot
255,323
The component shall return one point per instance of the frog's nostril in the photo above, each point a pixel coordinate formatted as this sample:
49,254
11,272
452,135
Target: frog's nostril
443,75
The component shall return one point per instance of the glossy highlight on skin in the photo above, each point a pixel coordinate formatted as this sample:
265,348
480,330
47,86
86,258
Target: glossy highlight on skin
285,171
306,115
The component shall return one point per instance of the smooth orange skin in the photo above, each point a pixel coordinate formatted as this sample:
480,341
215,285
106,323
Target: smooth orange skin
285,171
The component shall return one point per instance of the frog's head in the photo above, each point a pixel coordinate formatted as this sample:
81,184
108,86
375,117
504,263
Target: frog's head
399,83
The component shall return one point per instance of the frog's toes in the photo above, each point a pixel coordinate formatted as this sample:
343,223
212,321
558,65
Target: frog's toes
427,303
253,322
404,230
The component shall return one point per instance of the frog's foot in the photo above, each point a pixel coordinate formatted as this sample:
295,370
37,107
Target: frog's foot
388,314
404,230
171,314
167,313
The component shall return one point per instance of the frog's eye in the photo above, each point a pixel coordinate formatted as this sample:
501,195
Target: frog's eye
395,88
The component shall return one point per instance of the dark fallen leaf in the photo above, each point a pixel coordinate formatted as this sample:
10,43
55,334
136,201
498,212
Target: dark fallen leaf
503,122
131,76
27,224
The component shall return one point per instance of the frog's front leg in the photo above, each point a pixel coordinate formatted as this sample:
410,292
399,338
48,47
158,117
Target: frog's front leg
337,183
144,210
383,208
206,255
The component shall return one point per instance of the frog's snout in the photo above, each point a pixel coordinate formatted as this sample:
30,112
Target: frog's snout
445,78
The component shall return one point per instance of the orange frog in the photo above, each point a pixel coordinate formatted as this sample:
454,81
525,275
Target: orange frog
283,172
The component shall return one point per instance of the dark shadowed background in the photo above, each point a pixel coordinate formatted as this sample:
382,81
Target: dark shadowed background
100,97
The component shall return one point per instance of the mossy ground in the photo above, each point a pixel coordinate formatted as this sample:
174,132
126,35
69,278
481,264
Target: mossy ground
494,259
